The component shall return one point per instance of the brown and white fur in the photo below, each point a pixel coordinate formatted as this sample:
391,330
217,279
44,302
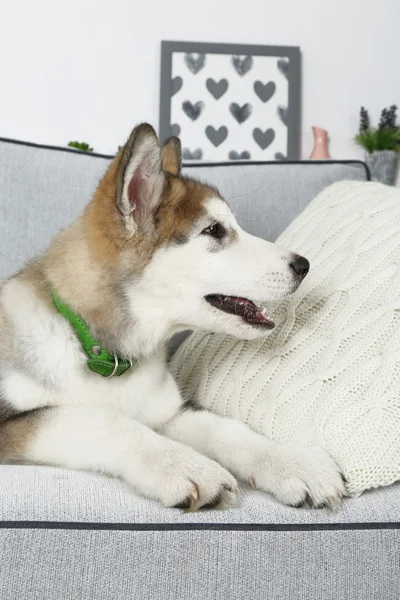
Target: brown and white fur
137,266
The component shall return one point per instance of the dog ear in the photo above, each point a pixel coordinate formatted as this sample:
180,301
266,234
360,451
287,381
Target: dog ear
171,156
140,177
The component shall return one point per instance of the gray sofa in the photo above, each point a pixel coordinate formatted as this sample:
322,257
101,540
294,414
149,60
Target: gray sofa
76,536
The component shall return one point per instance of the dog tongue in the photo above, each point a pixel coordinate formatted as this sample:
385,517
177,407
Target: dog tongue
242,307
253,314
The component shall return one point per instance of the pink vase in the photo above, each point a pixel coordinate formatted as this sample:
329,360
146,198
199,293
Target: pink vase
320,150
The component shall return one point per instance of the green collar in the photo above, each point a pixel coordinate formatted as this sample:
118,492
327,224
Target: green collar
100,361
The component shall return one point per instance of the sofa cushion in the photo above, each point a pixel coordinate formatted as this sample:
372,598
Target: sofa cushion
87,563
50,494
329,373
75,536
42,189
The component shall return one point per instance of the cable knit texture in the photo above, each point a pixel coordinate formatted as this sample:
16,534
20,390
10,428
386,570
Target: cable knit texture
329,373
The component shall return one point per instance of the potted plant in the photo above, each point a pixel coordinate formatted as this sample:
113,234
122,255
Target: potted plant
381,144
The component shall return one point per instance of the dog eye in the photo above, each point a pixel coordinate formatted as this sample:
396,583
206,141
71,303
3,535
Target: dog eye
216,230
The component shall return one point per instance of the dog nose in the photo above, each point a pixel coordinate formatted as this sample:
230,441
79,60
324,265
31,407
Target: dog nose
300,265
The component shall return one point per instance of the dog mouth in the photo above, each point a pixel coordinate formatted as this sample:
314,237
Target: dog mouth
244,308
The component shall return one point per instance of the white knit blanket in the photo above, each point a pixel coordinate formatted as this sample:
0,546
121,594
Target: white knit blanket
329,373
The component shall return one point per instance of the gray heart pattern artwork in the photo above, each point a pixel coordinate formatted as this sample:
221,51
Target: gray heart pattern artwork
233,155
176,85
216,136
189,155
264,138
240,113
193,111
209,98
195,64
264,91
242,65
217,89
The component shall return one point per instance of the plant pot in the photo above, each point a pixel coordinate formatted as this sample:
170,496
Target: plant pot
382,165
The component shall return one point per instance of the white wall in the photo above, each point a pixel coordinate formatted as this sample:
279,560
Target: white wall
90,71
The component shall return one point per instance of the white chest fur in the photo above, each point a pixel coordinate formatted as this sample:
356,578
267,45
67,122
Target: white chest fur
49,368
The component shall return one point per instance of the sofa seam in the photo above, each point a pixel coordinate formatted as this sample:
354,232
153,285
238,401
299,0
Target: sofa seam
274,527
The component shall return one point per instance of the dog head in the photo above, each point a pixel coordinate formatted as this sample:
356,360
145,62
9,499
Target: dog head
183,260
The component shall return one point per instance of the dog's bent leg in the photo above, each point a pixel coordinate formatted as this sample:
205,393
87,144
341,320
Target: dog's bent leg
98,439
293,473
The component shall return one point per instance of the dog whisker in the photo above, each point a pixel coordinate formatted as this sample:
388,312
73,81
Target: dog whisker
241,218
244,195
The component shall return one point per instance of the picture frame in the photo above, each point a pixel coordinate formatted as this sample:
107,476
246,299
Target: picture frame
230,102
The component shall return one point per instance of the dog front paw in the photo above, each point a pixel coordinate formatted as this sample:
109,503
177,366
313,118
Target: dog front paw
183,478
297,475
203,485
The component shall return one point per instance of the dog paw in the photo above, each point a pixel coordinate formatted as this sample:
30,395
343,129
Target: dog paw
297,475
199,498
191,481
201,486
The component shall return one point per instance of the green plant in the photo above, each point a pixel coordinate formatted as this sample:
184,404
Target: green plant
385,137
80,146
